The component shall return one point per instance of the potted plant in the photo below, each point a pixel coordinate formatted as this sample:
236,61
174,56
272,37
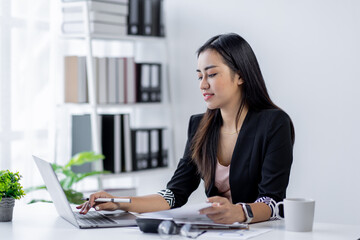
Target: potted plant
67,177
10,189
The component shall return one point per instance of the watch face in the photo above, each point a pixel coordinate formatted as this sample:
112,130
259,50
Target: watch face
250,213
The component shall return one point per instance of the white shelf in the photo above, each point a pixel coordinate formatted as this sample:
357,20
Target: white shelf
86,108
144,172
141,114
128,38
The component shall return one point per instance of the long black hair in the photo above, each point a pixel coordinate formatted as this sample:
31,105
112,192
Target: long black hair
240,58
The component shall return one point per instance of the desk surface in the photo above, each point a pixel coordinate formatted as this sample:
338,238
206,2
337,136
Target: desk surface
40,221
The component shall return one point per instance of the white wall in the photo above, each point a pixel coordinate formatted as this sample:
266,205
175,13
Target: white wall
309,55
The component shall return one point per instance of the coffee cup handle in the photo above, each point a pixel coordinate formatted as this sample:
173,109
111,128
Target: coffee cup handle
277,211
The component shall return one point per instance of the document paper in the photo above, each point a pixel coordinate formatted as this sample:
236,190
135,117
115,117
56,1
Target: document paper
186,212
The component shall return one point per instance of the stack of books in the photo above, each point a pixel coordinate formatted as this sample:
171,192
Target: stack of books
105,16
118,80
115,80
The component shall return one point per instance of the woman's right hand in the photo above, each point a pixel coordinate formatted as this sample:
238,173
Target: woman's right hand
109,206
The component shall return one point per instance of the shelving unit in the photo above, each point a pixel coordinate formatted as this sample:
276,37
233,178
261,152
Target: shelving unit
134,109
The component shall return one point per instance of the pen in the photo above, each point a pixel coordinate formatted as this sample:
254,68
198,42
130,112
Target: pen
117,200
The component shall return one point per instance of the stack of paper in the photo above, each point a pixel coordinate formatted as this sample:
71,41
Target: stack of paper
190,214
105,16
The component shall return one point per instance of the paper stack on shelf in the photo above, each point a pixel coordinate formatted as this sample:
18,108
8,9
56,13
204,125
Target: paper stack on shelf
105,17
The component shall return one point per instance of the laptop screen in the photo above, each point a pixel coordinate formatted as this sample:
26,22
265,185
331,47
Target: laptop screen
55,190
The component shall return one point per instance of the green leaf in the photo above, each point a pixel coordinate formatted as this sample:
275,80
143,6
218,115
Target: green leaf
39,200
30,189
66,183
10,185
68,177
74,196
84,157
81,176
57,168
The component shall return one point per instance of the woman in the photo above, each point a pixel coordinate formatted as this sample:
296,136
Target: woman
241,147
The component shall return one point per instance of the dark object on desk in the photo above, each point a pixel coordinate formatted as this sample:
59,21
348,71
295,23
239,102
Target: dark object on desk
170,227
148,225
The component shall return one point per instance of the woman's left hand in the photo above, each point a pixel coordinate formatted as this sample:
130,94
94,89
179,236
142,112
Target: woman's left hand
223,211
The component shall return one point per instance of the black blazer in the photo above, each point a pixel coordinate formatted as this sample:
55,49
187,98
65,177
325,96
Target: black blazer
260,165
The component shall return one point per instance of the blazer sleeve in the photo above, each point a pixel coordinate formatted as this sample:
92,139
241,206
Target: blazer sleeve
278,157
186,178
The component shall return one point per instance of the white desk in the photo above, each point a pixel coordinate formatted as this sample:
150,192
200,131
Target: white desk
40,221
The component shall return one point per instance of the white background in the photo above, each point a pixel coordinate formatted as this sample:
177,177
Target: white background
309,53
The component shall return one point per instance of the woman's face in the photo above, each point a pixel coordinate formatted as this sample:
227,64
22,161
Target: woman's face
218,84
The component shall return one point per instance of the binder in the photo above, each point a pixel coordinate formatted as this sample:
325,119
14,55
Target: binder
155,94
155,152
121,80
112,83
71,76
164,146
102,81
148,27
81,140
161,20
138,82
82,80
156,17
143,82
127,142
134,149
122,144
140,149
130,81
107,140
135,17
148,82
147,148
118,146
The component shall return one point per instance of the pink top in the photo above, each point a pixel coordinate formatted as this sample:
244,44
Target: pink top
222,180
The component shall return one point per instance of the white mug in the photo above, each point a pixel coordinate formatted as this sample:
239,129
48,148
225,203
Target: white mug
298,214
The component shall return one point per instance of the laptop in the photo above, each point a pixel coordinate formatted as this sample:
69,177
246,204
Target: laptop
92,219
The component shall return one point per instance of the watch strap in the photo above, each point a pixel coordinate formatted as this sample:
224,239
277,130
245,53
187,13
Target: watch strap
248,212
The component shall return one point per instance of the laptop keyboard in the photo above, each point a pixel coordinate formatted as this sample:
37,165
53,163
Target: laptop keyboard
92,218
